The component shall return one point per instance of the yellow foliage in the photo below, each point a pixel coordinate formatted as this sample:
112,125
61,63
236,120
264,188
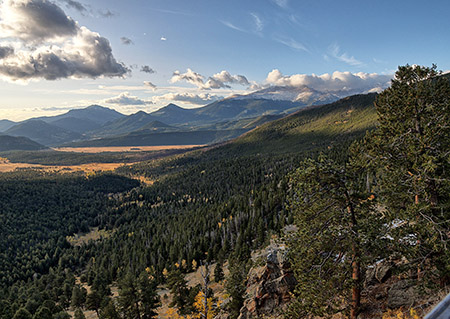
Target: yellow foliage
194,264
165,272
200,306
183,264
220,225
173,314
400,314
177,265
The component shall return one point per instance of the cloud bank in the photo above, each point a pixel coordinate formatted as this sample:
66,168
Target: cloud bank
192,98
218,81
337,81
126,99
48,44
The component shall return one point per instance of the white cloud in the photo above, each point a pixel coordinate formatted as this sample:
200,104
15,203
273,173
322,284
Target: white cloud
232,26
334,51
258,22
281,3
217,81
50,45
337,81
189,76
293,44
191,98
163,39
126,99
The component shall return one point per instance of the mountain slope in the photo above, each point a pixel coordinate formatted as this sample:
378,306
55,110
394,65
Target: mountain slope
173,114
6,124
75,124
43,133
151,138
13,143
83,120
157,126
124,125
310,128
234,109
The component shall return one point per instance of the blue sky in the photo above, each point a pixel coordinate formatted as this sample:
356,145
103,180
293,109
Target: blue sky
140,55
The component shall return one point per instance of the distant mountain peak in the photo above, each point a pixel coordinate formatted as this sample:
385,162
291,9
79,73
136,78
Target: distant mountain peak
141,113
302,94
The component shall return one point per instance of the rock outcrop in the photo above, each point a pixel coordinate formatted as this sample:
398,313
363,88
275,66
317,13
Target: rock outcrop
269,285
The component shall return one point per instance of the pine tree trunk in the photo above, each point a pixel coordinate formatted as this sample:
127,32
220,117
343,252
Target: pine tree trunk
356,268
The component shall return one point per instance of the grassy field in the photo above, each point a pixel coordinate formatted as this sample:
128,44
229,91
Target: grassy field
6,166
124,148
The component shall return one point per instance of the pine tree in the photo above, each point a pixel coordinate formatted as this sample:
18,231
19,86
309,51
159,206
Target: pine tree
180,293
94,301
218,272
43,313
235,285
22,313
411,149
337,231
78,297
129,297
109,311
78,314
148,295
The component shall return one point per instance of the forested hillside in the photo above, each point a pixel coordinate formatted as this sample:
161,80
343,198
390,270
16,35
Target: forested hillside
204,205
361,184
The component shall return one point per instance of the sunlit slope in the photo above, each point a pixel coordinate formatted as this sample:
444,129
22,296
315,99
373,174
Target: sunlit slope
311,128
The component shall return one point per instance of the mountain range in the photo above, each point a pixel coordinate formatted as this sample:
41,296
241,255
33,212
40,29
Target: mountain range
222,119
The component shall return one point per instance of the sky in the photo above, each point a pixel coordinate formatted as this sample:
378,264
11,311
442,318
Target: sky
143,54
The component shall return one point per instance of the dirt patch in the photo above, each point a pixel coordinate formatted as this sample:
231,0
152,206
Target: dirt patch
94,234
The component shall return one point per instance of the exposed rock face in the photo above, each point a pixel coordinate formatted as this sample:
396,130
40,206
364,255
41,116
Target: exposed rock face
378,273
269,286
402,294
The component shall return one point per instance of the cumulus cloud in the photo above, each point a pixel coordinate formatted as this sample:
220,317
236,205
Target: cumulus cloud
335,82
217,81
147,69
126,99
189,76
126,41
50,45
150,85
35,21
191,98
